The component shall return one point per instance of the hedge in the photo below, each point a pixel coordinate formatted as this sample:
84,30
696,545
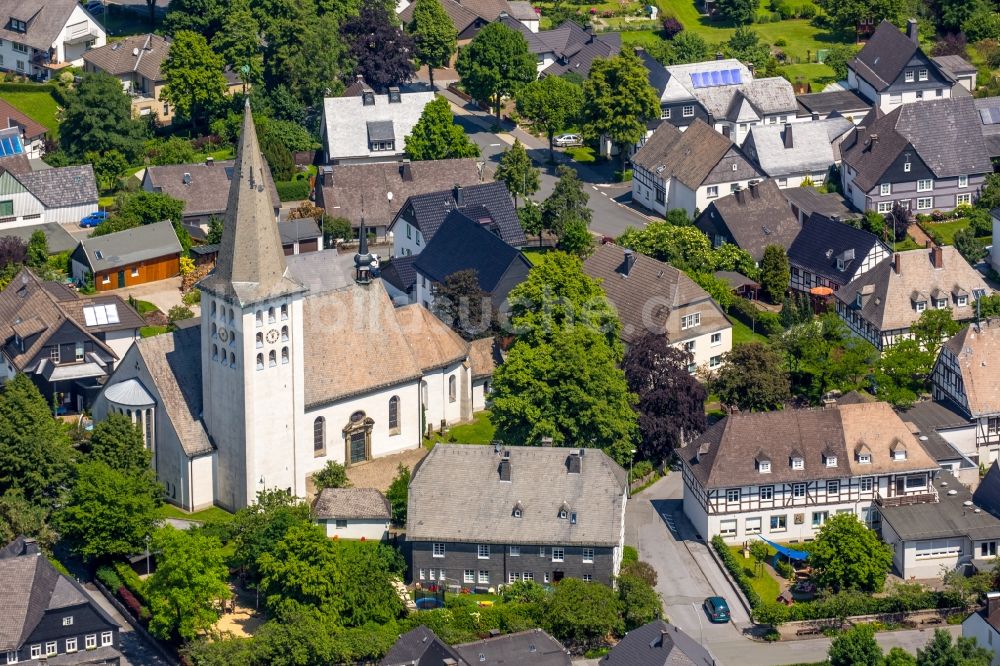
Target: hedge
736,570
767,322
130,580
109,578
292,190
901,598
57,92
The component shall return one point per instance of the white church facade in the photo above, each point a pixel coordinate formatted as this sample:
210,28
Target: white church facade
282,375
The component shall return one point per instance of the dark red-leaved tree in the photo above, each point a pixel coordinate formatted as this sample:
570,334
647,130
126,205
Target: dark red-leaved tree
671,401
380,48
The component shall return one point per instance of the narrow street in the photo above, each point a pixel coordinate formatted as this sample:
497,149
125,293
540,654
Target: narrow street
134,648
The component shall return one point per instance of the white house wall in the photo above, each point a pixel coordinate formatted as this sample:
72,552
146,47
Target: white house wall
121,341
370,530
986,636
68,214
79,22
406,239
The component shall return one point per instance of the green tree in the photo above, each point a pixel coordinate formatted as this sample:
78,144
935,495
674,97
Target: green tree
968,589
398,493
35,452
238,43
970,247
953,14
581,614
567,204
686,248
134,209
463,305
759,552
516,171
190,580
837,57
436,136
934,328
98,118
119,444
333,475
530,217
856,647
279,157
739,12
902,373
846,14
434,36
640,603
300,55
551,104
195,83
214,235
38,250
846,555
576,238
618,100
495,64
256,528
752,379
201,16
108,513
686,47
18,516
989,306
109,169
172,150
897,656
775,272
982,24
963,652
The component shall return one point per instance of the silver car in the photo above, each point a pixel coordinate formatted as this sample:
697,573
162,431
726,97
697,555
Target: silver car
568,140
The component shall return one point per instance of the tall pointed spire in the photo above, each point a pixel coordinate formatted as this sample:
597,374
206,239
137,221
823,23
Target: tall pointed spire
251,265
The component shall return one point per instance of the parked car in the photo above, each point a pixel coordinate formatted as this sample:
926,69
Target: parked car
94,219
95,6
717,609
568,140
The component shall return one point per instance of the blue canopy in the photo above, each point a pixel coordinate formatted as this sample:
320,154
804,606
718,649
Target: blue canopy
800,555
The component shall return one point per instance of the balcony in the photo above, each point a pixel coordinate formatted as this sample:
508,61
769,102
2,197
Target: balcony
84,31
928,497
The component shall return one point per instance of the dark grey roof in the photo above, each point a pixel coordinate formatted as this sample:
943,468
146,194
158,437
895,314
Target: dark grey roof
380,130
928,418
400,272
658,644
735,279
989,114
987,495
421,647
430,210
809,200
62,186
58,238
351,503
292,231
574,48
689,156
202,250
533,647
954,65
843,102
754,218
949,517
885,55
823,244
123,248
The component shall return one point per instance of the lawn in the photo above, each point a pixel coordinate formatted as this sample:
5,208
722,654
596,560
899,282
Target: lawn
742,333
816,74
535,254
479,431
212,513
906,244
40,106
947,230
143,307
582,154
150,331
762,582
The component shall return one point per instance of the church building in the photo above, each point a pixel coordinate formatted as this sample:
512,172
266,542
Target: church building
284,372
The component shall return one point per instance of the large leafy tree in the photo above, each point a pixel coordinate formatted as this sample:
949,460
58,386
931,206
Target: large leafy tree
190,580
397,494
119,443
752,379
201,16
566,208
517,172
640,602
333,475
300,55
437,136
963,652
434,35
933,328
739,12
258,527
856,647
581,614
98,118
618,100
19,516
822,355
108,513
846,14
380,49
902,373
686,247
35,452
551,104
775,272
846,555
462,304
195,84
495,64
671,402
238,42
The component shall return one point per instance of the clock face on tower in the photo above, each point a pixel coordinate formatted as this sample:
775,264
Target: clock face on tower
223,334
272,335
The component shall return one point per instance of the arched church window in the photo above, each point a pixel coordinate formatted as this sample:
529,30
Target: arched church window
213,308
284,334
394,412
319,436
452,386
231,315
215,352
260,340
260,361
232,360
215,331
270,315
259,318
272,358
284,355
284,312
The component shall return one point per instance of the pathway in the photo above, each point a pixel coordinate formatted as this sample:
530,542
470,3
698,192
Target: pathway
134,647
380,472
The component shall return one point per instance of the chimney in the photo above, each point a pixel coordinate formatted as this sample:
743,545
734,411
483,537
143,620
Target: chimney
405,171
629,262
187,178
574,463
937,257
992,602
546,441
788,137
326,175
718,55
394,95
896,265
505,469
754,192
928,244
750,67
30,547
911,30
459,196
702,451
209,161
873,138
739,194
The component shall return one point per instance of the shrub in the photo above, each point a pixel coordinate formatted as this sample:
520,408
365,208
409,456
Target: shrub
784,569
193,297
767,322
186,265
130,579
179,313
629,555
671,27
780,43
736,570
109,578
641,469
292,190
133,605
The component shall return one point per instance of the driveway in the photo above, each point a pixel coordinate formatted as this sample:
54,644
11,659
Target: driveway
134,648
164,294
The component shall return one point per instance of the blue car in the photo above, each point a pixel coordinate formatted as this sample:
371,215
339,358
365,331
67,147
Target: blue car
717,609
94,219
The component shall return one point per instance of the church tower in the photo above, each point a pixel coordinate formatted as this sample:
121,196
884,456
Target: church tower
251,341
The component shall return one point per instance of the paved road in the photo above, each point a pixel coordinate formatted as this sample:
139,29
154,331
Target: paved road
656,526
134,648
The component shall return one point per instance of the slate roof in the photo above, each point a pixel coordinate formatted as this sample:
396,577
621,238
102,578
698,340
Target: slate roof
59,240
822,242
461,244
989,116
400,272
430,210
755,218
421,647
354,191
123,248
62,186
885,55
735,440
347,121
15,164
141,54
533,647
657,644
13,117
783,150
207,193
948,517
927,417
45,19
688,156
677,86
539,481
809,200
463,14
654,297
522,10
954,65
976,347
573,47
890,304
351,504
842,102
945,133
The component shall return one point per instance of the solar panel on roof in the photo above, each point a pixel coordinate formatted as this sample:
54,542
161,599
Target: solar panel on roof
990,116
89,316
736,75
727,77
696,79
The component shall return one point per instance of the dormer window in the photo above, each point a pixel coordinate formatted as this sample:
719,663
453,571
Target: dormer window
940,303
798,463
857,300
865,458
518,510
963,301
562,514
517,513
830,461
909,76
922,75
921,306
899,454
840,264
764,466
564,511
368,98
17,25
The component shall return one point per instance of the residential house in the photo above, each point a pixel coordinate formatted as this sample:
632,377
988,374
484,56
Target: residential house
67,345
489,204
204,189
959,70
799,153
422,647
658,643
984,626
128,258
832,104
352,513
881,304
782,474
892,69
19,134
941,530
963,376
463,244
751,219
523,11
38,38
470,16
828,253
947,435
528,513
924,157
688,169
807,201
300,236
376,191
371,127
722,93
137,61
989,119
567,48
61,195
48,616
653,297
484,357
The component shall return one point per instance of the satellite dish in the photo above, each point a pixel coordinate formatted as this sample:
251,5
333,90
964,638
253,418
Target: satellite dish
967,503
388,195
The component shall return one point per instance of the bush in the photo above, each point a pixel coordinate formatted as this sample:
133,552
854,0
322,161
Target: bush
292,190
179,313
766,322
736,570
641,469
130,579
132,604
784,569
193,297
671,27
109,578
629,555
